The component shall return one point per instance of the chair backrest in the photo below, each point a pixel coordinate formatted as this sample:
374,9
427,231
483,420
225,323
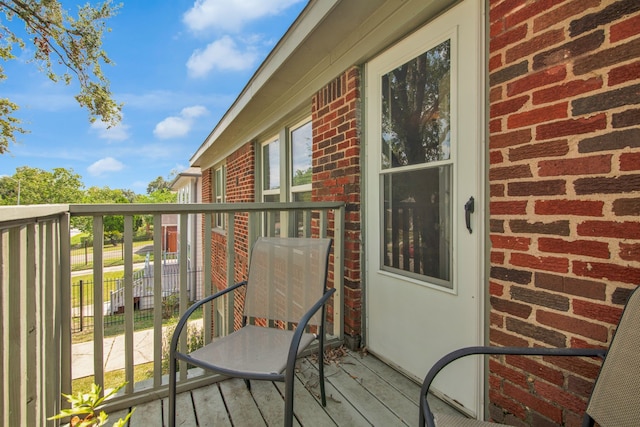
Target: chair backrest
615,400
287,276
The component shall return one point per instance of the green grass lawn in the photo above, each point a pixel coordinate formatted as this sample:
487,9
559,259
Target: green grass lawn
116,326
113,378
82,258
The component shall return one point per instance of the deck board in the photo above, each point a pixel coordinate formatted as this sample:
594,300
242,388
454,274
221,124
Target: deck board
354,392
243,410
406,410
146,415
270,402
209,406
307,409
361,391
338,409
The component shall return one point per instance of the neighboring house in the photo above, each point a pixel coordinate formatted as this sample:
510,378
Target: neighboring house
170,233
488,154
188,187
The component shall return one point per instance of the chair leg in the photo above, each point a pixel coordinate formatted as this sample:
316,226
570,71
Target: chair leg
321,373
321,360
172,391
288,402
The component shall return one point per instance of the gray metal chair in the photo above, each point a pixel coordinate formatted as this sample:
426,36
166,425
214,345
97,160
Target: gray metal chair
286,286
615,400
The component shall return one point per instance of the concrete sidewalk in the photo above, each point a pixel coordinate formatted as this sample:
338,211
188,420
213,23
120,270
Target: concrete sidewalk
113,350
114,356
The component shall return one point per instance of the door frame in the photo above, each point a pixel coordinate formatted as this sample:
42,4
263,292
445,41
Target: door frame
481,223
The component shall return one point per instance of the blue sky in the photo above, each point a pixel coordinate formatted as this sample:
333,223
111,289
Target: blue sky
179,64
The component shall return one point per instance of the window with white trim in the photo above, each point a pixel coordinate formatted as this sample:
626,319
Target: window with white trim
300,170
271,183
295,156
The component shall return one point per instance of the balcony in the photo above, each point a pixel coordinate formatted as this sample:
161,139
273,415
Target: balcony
39,308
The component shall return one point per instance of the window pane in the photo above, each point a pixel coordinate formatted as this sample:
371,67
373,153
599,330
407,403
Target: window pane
416,110
271,166
417,225
218,184
301,155
304,196
298,217
272,218
219,195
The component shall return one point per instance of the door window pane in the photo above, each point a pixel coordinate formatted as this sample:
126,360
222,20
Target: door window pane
415,132
417,224
416,110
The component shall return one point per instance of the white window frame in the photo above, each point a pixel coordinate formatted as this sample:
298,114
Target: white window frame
271,222
289,147
270,191
219,190
286,191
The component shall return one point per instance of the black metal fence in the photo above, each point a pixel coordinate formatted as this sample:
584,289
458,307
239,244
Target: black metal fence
82,294
82,255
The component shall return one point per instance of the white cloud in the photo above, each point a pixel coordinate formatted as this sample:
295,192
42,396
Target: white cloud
193,112
222,54
158,100
177,126
159,151
102,166
231,15
119,132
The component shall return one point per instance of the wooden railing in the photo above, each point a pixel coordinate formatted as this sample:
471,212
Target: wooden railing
35,314
35,335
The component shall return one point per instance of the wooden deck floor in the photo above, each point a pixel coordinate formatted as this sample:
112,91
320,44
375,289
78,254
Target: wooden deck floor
361,391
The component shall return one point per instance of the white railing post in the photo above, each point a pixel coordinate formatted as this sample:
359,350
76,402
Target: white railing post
128,302
98,302
157,300
182,283
231,258
207,315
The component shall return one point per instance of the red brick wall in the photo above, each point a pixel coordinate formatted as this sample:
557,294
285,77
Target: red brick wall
240,177
564,194
240,189
207,194
218,241
336,176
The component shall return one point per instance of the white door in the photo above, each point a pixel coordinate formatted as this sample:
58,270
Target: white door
423,165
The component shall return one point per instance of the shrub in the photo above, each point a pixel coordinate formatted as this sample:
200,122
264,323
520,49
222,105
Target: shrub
195,340
84,408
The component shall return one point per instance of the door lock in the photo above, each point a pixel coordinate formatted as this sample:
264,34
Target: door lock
469,208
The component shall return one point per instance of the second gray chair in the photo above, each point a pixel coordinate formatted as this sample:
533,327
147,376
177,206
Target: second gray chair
286,286
615,399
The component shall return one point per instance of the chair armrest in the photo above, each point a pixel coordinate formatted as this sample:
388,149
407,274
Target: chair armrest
185,317
297,335
425,412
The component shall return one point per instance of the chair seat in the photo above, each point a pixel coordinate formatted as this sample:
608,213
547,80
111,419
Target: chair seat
252,349
443,420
